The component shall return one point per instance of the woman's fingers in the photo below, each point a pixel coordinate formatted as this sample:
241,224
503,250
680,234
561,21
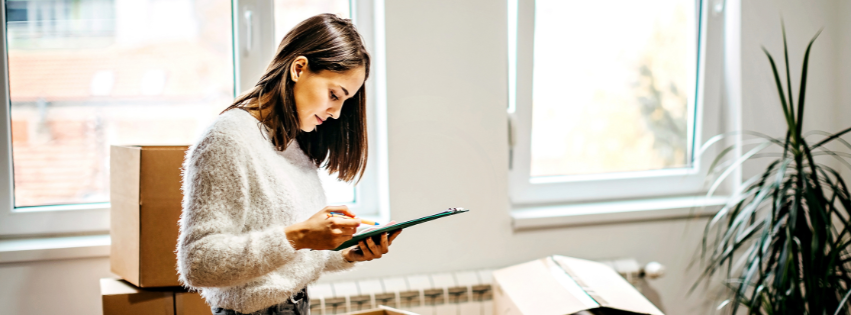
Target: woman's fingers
339,209
385,243
369,250
367,253
343,222
376,251
344,231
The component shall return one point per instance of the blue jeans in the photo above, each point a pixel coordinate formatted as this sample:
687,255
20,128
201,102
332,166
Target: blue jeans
299,304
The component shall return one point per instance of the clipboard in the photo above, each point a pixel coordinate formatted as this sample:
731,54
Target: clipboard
376,234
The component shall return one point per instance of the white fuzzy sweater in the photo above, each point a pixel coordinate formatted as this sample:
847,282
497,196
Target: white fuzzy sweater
239,194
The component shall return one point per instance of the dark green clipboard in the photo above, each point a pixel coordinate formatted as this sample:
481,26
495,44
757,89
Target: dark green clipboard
398,226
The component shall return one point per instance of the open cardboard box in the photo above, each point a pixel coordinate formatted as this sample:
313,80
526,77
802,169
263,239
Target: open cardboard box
119,297
145,201
559,285
382,310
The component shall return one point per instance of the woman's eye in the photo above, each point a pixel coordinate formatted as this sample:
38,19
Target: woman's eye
334,97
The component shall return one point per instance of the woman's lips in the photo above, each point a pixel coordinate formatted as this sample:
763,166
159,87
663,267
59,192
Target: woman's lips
318,120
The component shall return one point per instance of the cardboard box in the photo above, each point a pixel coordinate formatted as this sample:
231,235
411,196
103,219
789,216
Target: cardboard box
190,303
382,310
145,201
119,297
559,285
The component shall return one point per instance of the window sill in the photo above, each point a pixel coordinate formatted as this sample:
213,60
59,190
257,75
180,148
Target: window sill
68,247
526,218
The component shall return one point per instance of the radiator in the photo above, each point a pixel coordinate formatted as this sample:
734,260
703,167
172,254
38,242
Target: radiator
454,293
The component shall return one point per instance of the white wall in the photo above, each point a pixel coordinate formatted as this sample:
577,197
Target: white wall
447,92
53,287
843,68
761,27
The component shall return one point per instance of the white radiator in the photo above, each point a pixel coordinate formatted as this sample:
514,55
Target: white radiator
455,293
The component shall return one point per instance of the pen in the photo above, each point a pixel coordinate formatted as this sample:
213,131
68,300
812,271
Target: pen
334,214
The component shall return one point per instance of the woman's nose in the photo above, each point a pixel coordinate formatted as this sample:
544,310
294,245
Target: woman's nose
334,111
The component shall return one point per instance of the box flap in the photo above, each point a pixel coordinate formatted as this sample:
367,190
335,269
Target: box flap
537,288
606,286
392,311
382,310
124,211
112,286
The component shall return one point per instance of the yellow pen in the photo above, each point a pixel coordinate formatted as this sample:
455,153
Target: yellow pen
339,215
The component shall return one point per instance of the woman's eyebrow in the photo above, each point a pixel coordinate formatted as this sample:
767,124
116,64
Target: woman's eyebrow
344,90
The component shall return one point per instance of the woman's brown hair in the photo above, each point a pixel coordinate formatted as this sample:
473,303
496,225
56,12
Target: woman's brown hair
329,43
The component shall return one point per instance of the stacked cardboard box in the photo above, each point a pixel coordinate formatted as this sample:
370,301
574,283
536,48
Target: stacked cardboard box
121,297
146,203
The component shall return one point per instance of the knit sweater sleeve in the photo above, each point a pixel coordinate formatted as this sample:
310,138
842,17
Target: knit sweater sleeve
213,250
336,262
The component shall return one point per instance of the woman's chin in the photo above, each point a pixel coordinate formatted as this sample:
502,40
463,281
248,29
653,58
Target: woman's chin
309,129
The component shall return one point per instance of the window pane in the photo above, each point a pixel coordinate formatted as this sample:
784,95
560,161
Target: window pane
288,13
85,74
613,85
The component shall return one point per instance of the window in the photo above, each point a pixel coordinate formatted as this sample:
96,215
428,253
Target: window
606,98
85,74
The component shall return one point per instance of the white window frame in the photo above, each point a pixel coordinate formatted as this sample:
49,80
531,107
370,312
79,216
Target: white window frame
250,59
527,191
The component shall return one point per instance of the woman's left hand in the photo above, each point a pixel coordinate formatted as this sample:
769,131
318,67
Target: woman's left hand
368,250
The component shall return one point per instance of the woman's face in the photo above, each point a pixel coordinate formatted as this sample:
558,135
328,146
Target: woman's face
320,95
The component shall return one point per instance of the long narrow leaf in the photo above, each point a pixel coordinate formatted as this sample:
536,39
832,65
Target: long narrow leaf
829,139
733,167
803,90
779,88
788,77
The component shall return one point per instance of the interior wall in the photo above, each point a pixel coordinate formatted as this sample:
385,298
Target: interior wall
761,26
68,286
447,76
843,69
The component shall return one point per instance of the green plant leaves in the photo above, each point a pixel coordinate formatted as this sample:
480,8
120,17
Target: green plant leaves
783,240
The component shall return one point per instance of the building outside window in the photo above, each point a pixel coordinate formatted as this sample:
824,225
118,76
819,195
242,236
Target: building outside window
87,74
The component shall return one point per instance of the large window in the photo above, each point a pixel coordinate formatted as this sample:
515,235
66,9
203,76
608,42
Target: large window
87,74
82,75
606,99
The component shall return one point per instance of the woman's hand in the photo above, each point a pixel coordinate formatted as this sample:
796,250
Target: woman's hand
320,232
367,250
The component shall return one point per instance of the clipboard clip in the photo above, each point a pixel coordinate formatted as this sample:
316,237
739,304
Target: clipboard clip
457,210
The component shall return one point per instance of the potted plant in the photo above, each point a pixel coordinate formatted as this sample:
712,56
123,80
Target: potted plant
782,240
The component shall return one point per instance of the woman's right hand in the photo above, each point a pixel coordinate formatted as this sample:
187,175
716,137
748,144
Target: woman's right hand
320,232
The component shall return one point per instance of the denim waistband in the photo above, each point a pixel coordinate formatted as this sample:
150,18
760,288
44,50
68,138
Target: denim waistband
298,304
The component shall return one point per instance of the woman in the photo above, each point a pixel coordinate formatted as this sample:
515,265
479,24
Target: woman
250,237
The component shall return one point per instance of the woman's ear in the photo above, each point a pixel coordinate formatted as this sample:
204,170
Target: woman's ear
298,67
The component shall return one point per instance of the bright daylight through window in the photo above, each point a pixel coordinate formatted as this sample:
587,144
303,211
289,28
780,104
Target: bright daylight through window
613,86
86,74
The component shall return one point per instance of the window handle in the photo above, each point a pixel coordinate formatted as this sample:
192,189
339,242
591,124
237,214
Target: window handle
249,31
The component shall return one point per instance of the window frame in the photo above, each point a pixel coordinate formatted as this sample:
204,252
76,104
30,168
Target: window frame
705,116
370,194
